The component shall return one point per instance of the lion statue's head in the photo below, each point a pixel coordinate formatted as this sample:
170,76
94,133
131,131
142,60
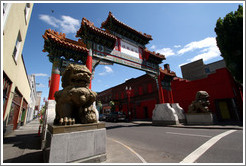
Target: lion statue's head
201,103
76,75
74,103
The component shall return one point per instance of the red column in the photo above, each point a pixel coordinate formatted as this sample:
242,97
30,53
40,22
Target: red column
171,92
55,79
89,63
160,91
170,99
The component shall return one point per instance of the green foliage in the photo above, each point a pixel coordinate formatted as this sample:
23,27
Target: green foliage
112,104
99,106
229,38
41,114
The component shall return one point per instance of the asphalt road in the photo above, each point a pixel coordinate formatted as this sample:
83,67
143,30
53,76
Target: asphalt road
173,145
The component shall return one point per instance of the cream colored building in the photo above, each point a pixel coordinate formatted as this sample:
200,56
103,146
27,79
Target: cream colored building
16,87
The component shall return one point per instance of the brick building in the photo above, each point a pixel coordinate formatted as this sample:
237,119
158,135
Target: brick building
225,95
143,98
16,87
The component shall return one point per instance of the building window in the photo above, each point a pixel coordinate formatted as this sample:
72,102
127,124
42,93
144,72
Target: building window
117,96
132,93
207,70
122,95
6,8
27,11
17,47
140,90
15,108
6,90
150,89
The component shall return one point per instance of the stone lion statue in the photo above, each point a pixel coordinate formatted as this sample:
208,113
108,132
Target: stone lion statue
74,103
201,103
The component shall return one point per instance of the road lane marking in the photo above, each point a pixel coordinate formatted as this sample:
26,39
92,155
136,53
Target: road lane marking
191,158
194,135
140,157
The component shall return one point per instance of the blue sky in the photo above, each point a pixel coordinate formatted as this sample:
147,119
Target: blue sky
183,32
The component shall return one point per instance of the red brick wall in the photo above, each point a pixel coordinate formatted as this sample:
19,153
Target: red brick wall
218,85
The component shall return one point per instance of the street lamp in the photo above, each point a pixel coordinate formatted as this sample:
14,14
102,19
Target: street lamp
129,93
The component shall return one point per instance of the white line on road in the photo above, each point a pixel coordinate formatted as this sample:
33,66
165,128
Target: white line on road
194,135
140,157
191,158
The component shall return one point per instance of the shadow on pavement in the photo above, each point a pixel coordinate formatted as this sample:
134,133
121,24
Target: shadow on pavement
35,157
25,141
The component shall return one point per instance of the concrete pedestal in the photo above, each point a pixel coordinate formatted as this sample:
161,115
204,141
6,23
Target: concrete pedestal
179,111
48,118
164,114
50,115
75,143
199,118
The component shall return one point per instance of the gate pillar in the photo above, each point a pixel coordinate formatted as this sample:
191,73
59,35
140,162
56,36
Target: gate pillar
55,79
89,59
160,90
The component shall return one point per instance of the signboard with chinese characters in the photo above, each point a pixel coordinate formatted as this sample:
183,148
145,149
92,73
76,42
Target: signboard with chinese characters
123,58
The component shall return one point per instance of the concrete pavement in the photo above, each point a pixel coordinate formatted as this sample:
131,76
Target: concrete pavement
24,145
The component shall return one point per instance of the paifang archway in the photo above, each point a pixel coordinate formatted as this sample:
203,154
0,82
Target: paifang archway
114,42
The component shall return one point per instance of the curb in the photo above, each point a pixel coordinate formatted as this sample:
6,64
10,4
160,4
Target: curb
195,126
208,127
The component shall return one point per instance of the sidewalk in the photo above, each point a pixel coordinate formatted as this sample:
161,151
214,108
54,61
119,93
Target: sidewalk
24,144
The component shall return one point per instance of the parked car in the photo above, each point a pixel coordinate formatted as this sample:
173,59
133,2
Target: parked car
102,117
116,116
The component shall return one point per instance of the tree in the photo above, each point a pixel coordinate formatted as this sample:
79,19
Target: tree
99,106
230,42
112,104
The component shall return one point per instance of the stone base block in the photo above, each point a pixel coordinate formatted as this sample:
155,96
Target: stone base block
48,117
199,118
180,112
76,143
51,111
164,114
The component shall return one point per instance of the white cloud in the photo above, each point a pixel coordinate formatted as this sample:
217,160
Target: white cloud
206,49
208,54
107,70
183,64
177,46
205,43
153,47
69,24
40,75
66,24
39,85
166,51
49,20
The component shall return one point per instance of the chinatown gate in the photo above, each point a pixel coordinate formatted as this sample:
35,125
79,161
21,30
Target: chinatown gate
118,43
114,42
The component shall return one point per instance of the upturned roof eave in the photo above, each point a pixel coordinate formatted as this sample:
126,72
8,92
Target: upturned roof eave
111,16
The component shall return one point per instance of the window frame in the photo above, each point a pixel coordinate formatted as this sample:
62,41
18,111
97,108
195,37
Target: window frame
17,47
